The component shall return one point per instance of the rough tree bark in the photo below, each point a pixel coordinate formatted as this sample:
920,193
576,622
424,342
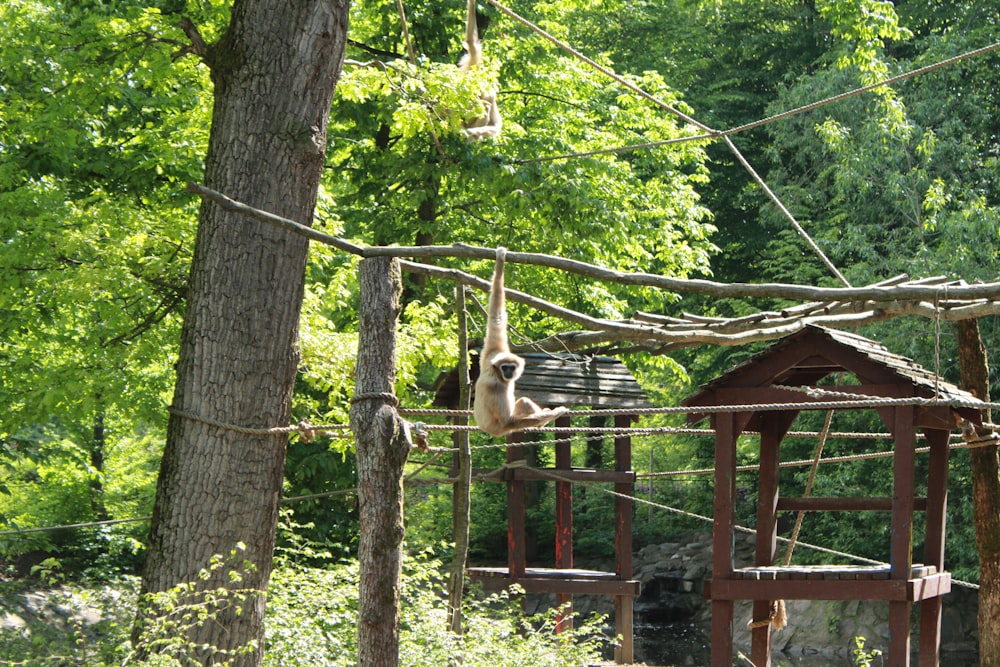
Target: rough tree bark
985,495
274,71
381,446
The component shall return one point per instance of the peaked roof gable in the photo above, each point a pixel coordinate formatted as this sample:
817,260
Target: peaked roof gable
809,355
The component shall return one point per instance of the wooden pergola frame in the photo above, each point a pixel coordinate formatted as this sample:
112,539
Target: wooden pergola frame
802,360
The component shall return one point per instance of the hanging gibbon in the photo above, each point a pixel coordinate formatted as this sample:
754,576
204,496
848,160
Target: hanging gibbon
496,410
490,123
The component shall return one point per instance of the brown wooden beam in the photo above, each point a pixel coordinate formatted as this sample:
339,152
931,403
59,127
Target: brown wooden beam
912,590
844,504
565,586
556,474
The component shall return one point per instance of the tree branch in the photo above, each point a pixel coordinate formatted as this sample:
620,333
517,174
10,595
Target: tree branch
889,297
197,45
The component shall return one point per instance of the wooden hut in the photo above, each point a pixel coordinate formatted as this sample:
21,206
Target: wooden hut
575,381
801,361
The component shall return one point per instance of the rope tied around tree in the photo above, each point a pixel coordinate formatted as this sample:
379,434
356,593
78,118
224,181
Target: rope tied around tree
376,396
303,428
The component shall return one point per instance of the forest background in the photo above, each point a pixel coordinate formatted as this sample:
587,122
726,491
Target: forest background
105,116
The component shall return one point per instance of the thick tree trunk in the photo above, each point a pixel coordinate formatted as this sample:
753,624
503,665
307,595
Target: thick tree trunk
382,448
985,495
274,71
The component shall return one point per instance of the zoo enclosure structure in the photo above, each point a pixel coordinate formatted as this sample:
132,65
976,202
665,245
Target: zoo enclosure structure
769,385
575,381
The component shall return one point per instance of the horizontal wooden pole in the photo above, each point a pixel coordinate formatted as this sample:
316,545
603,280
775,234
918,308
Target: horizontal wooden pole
564,586
844,504
556,475
892,590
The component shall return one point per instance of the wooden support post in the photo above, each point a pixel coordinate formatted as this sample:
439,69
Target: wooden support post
723,527
624,653
901,547
564,521
516,553
937,503
767,530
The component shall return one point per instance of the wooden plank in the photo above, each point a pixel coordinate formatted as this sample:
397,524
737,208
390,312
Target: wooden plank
937,496
722,633
758,395
544,573
898,654
827,572
564,586
624,652
767,496
890,590
834,504
760,637
623,505
564,522
723,526
574,475
903,475
516,553
930,632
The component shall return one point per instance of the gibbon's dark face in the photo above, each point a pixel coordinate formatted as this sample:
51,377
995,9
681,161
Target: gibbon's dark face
508,370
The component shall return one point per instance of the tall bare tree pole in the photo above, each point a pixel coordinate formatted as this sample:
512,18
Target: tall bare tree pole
381,446
274,71
985,494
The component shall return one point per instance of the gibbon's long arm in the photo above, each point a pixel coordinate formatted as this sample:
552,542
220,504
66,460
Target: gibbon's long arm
490,123
496,409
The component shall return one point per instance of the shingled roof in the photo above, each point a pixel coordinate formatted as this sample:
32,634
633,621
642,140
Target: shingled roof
809,355
565,379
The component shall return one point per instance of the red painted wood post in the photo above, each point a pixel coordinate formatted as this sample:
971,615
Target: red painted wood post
901,549
723,527
937,502
564,520
516,558
767,528
624,654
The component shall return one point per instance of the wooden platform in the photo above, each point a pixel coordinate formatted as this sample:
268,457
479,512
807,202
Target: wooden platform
826,582
570,581
828,572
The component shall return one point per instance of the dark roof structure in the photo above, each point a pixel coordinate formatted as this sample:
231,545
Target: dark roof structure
765,395
811,354
564,379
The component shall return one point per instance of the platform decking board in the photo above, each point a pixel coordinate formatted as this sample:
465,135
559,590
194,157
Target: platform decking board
546,580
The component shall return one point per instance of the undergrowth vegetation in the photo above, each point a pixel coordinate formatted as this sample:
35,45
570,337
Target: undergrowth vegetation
311,622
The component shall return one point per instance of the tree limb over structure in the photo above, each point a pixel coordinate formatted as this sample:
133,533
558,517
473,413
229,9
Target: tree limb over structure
839,307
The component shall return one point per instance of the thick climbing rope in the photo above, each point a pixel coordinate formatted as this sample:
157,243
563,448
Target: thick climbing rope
808,490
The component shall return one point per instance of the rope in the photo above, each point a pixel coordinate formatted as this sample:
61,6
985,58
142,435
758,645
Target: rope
603,70
514,464
808,490
860,401
376,396
785,212
742,529
770,119
847,458
306,430
863,89
615,149
113,522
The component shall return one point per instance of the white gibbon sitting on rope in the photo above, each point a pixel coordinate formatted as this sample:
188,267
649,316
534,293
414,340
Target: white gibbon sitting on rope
496,410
